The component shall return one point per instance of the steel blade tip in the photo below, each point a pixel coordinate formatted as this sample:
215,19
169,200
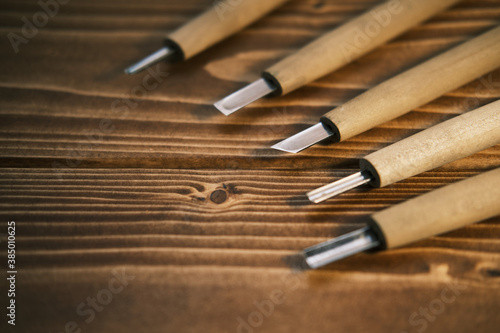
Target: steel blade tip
340,186
341,247
151,59
222,107
304,139
241,98
297,262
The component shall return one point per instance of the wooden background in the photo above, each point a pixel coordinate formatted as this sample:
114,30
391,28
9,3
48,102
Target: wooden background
102,175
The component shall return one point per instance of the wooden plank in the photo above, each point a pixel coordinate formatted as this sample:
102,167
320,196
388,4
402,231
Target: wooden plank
105,177
169,214
100,117
217,299
194,255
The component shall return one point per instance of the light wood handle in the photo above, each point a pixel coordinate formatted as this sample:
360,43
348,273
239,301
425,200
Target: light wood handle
444,143
445,209
417,86
351,40
222,20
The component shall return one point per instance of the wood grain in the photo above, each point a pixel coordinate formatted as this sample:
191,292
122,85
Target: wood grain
103,175
143,131
167,223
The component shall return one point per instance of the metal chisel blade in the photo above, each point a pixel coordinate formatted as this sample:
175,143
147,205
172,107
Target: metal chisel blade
334,249
244,96
151,59
304,139
341,247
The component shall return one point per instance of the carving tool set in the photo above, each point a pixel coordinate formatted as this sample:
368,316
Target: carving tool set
442,210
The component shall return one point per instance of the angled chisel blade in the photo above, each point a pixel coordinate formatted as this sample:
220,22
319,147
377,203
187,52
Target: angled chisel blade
304,139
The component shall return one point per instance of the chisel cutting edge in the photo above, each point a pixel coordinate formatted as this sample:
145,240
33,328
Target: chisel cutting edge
404,92
336,49
222,20
445,209
446,142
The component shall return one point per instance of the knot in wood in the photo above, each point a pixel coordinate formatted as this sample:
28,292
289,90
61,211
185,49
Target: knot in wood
218,196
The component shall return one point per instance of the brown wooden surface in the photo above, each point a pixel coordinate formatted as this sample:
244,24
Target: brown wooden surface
194,204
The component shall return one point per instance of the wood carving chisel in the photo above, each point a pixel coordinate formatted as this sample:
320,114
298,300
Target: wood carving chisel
444,143
336,49
448,208
404,92
222,20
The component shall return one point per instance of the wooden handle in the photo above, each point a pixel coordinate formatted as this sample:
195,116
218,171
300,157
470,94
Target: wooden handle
444,143
445,209
351,40
417,86
223,19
